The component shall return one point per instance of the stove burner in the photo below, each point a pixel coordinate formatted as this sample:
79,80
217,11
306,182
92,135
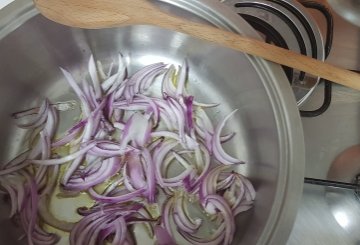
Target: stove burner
328,45
271,36
286,23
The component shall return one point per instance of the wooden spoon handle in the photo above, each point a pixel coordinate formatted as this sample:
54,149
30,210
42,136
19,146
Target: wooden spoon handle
110,13
261,49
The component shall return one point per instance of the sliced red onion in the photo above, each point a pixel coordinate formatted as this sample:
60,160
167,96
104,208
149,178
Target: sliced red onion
119,125
182,78
89,131
94,77
158,157
15,168
181,216
14,185
163,237
28,217
226,179
78,91
49,218
51,180
177,180
179,116
101,70
193,184
72,168
165,134
127,181
145,73
188,143
218,151
25,113
134,83
206,105
109,168
86,227
147,81
130,138
113,84
51,123
35,151
117,78
166,212
203,121
97,226
141,74
134,172
152,106
119,92
65,159
120,231
117,199
39,119
167,114
227,137
216,238
137,129
67,138
13,198
117,181
240,195
40,178
189,112
168,87
109,149
132,107
109,107
150,175
209,184
90,96
111,207
226,213
17,160
237,190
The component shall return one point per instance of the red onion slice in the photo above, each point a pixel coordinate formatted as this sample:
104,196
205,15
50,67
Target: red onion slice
181,215
67,158
39,119
109,168
150,175
182,78
158,157
163,237
132,136
168,88
137,129
78,91
226,212
13,198
117,199
219,152
94,77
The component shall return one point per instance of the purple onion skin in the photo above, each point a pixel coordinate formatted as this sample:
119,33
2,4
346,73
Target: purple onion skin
125,131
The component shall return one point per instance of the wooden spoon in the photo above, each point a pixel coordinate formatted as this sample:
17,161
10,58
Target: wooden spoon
94,14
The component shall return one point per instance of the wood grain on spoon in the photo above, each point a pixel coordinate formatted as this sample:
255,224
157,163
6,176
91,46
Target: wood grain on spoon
95,14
